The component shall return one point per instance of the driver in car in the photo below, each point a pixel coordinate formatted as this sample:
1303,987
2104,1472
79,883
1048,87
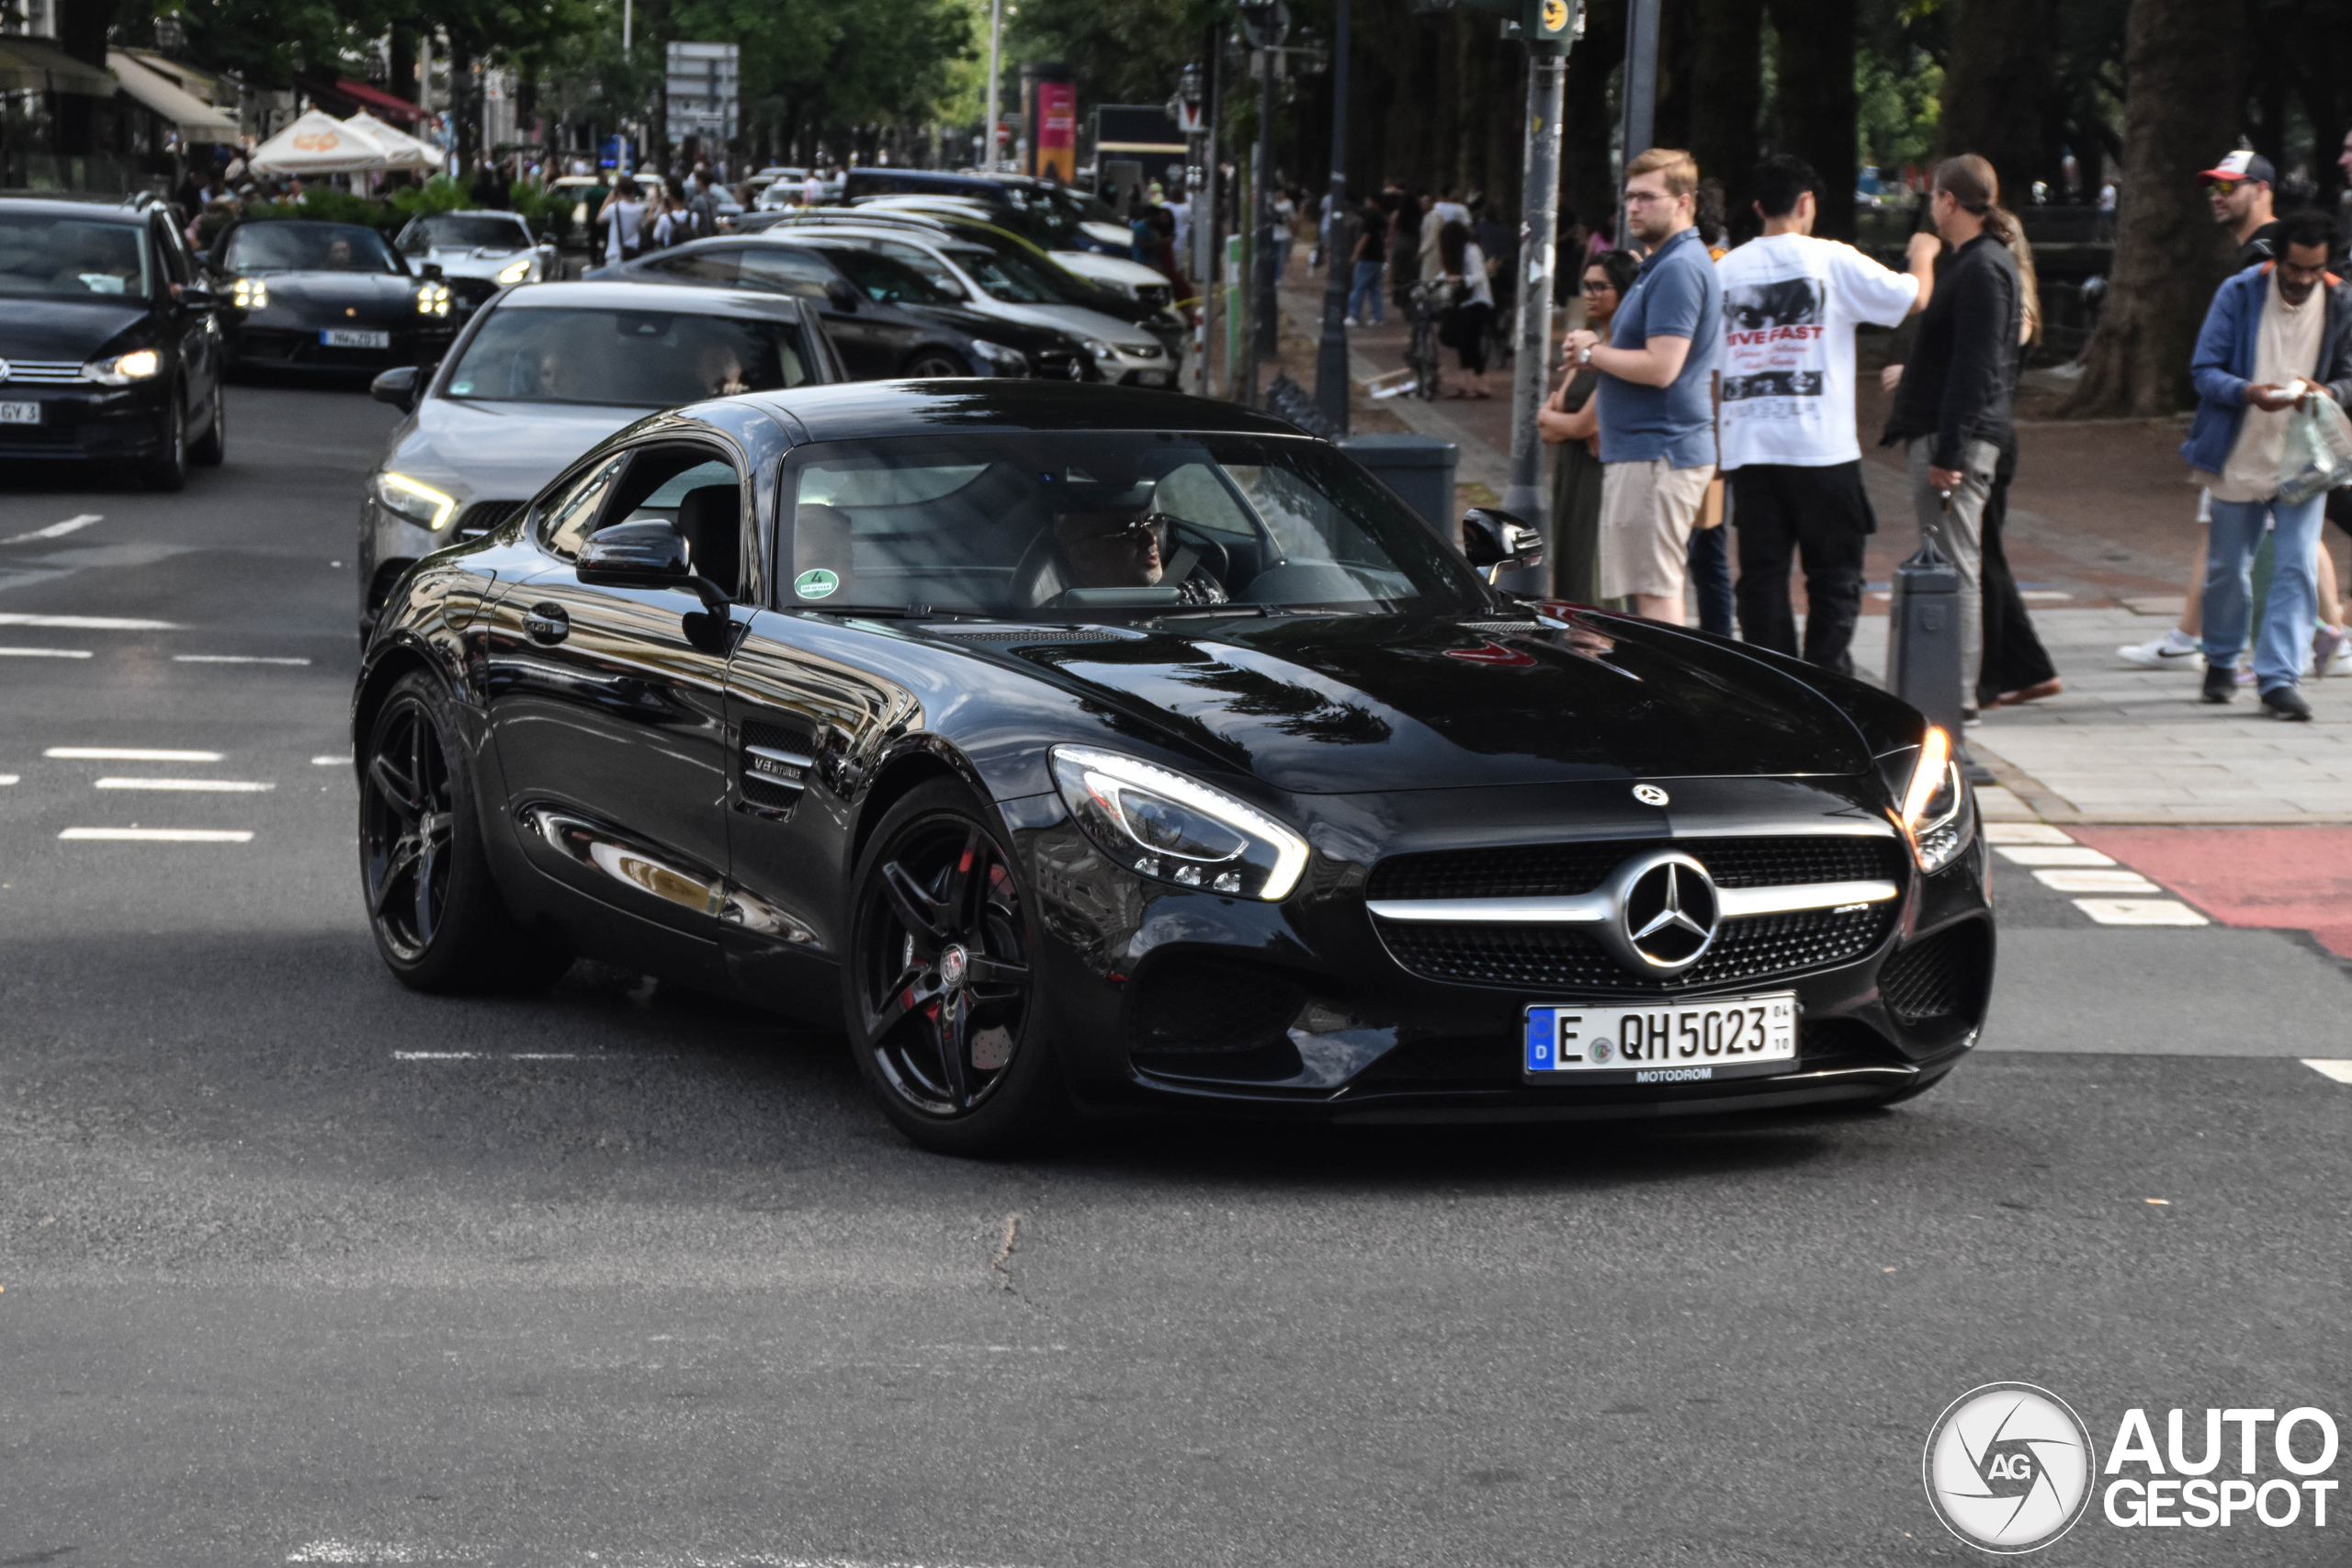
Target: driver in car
1119,548
720,370
339,254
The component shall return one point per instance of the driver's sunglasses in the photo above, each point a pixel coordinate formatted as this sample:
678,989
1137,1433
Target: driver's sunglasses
1150,523
2223,188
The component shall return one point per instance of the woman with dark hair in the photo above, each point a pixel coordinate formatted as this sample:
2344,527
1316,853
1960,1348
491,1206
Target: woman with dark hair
1569,422
1464,265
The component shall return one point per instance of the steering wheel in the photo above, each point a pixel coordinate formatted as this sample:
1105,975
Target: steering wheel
1193,531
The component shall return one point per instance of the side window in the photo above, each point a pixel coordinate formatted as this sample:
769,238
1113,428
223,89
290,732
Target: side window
697,491
1195,494
720,265
924,261
572,517
786,271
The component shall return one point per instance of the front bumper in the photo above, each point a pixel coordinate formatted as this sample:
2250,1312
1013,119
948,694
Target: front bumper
297,345
88,423
1161,996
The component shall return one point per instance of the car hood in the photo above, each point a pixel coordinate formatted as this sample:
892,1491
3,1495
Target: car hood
485,451
374,295
1094,263
1332,704
70,329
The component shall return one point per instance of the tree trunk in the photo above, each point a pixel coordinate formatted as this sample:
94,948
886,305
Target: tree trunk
1817,101
400,78
2182,72
1998,93
1727,91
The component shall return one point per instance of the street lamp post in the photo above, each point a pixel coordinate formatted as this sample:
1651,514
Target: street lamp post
1264,23
996,45
1331,352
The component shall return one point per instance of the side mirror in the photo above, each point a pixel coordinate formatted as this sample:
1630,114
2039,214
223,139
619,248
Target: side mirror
430,272
841,296
197,297
645,554
1494,539
395,387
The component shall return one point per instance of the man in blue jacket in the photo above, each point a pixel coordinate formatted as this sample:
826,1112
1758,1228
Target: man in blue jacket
2274,330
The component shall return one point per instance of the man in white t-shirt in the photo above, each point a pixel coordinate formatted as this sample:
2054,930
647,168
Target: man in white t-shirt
1786,423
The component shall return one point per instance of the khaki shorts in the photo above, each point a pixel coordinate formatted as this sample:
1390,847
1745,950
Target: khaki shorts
1647,511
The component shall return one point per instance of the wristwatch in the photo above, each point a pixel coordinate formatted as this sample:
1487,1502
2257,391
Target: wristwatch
1584,358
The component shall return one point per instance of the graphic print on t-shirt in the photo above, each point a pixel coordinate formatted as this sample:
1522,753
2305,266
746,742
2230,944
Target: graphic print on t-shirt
1772,334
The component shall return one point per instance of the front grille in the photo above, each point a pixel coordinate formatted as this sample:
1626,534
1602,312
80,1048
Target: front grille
1525,871
1941,977
1194,1006
43,372
1570,958
1053,366
484,516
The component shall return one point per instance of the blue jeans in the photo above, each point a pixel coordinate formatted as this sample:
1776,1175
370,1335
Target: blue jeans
1708,559
2289,610
1367,287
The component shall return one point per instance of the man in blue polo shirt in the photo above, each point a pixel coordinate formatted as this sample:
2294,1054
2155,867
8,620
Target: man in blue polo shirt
1657,399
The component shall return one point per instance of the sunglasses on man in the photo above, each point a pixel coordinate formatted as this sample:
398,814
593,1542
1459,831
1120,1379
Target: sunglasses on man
2225,188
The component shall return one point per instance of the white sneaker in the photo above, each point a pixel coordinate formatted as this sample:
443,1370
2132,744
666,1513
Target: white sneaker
2331,650
2166,653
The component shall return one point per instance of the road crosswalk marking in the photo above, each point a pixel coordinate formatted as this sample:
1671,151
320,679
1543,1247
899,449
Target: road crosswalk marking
2139,912
2330,1067
210,786
232,659
89,623
126,754
44,653
162,835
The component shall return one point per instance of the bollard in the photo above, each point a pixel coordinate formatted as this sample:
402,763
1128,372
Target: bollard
1420,469
1923,637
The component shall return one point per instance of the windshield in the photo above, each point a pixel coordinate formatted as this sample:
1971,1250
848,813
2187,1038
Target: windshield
624,358
1041,224
885,281
70,255
1119,524
1007,278
309,247
1081,207
447,233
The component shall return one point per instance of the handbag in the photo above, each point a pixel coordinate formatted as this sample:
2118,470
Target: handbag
2316,456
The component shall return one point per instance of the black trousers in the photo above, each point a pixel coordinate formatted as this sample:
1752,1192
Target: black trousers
2014,657
1821,514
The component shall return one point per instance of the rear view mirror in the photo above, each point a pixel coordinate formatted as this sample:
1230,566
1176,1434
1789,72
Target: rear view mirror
395,387
1493,539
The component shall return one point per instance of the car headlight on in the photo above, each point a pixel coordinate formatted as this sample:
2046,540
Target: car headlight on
1097,348
432,299
1936,814
1000,360
516,272
420,503
139,364
1164,825
249,294
1140,350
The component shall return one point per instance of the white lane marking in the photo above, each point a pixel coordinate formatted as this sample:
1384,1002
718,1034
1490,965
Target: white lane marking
58,530
373,1551
44,653
2139,912
89,623
7,778
508,1056
329,761
2050,854
211,787
2096,879
2023,833
162,835
231,659
2330,1067
126,754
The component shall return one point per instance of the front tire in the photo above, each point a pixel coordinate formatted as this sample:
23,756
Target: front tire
168,470
939,989
438,918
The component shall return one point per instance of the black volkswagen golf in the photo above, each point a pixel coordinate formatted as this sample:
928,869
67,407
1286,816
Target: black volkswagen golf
1096,749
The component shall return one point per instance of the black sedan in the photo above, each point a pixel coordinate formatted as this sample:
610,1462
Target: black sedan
110,347
885,318
1102,748
312,296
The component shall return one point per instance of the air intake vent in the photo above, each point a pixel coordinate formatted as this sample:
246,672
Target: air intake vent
1939,978
1029,634
775,764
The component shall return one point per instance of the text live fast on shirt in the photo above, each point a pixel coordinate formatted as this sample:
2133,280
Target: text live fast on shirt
1791,304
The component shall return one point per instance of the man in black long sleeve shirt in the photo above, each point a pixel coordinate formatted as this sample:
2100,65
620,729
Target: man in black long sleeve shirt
1952,411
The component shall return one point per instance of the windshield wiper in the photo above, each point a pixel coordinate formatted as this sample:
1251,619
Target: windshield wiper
1193,611
894,611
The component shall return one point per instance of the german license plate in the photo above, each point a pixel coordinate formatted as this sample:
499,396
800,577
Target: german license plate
19,414
1695,1041
351,337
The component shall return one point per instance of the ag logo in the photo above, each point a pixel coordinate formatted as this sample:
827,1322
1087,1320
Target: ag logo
1555,15
2008,1468
816,583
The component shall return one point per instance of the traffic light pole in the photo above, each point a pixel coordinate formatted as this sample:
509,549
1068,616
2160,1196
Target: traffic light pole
1539,229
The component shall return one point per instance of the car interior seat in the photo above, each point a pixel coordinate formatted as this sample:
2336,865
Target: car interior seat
711,518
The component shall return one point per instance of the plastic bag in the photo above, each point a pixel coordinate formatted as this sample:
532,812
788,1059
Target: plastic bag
2317,454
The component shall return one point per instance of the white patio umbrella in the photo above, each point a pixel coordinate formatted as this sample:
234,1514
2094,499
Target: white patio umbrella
318,143
401,151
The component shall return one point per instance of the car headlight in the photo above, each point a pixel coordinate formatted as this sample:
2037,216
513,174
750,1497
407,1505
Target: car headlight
1936,814
1164,825
418,502
432,299
1001,360
1140,350
124,369
250,294
1097,348
516,272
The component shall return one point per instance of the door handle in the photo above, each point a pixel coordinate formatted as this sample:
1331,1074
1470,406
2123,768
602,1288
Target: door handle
547,624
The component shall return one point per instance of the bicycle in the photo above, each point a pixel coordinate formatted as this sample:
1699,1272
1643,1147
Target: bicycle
1431,299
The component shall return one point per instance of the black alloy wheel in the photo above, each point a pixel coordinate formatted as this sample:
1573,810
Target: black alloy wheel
936,364
438,918
212,448
168,470
940,982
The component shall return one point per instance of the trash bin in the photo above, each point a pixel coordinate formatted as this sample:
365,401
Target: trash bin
1419,468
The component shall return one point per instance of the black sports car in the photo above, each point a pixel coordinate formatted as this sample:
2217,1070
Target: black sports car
1073,745
306,295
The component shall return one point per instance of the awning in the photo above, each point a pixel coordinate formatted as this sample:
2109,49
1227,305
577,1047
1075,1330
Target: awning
359,94
32,66
195,119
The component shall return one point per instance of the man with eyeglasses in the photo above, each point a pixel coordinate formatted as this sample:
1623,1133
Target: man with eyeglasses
2277,336
1118,547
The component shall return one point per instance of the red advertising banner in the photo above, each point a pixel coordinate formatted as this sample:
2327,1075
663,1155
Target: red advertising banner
1057,129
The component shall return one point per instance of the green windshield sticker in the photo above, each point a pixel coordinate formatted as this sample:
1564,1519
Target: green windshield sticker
817,584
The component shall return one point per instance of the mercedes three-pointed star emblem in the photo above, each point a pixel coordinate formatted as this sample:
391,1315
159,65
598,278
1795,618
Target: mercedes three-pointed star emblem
1666,913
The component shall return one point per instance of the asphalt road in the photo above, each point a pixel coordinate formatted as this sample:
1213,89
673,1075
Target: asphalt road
626,1276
